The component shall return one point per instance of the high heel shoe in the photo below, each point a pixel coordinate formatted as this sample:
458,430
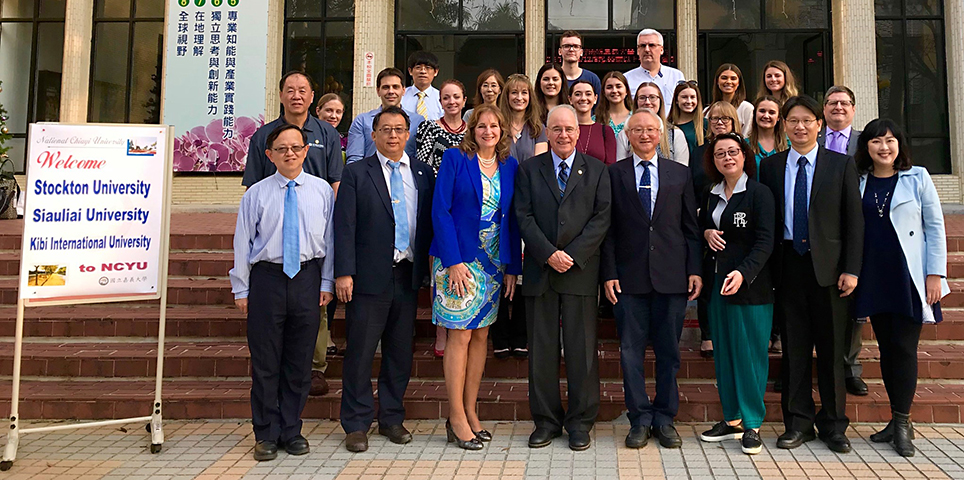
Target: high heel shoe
483,435
474,444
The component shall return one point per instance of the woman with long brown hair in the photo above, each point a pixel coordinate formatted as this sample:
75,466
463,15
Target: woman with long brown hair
617,105
778,81
728,86
685,113
488,87
551,88
767,133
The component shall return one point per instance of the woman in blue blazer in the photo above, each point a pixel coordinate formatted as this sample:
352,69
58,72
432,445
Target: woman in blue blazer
477,250
904,270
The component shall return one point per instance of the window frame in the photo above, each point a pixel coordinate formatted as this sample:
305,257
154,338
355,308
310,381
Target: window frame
609,23
131,20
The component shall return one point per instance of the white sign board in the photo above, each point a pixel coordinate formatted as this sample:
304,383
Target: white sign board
215,66
95,212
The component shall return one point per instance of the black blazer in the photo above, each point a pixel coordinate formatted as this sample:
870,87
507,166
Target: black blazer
575,223
658,254
836,216
747,224
365,226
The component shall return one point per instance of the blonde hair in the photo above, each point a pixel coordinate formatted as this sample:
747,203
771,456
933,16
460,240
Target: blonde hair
664,131
726,110
789,83
675,112
533,113
469,145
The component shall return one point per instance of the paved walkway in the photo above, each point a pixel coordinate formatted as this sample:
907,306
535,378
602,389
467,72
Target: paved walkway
222,450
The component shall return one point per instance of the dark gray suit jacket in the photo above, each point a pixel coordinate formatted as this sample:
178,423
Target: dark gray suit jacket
851,142
575,223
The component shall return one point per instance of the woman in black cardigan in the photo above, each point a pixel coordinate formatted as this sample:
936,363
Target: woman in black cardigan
737,217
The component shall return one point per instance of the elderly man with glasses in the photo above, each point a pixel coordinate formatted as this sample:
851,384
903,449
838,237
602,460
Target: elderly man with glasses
649,46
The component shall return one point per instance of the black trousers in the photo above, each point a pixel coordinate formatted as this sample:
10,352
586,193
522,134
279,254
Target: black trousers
390,318
702,307
812,316
656,320
578,315
897,338
853,343
509,329
283,320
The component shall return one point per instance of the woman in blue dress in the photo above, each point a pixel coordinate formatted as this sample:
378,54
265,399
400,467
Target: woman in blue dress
904,224
477,251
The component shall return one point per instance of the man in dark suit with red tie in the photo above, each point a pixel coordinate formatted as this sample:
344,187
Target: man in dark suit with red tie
562,204
650,266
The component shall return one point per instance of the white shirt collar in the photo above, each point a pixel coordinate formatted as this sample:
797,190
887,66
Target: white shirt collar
654,160
719,188
556,159
794,155
384,160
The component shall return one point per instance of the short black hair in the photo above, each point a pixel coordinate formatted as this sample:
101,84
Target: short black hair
284,78
393,110
422,57
269,143
804,101
389,72
709,164
878,128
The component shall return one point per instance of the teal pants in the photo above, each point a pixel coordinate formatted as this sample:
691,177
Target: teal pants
741,335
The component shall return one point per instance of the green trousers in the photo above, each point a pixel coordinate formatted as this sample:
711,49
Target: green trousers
741,335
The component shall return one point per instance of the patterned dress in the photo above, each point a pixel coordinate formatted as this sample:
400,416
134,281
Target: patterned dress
431,141
479,307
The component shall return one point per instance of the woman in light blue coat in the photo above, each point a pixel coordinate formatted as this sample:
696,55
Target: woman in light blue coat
904,268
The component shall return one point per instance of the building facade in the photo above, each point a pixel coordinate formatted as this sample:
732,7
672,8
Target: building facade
102,60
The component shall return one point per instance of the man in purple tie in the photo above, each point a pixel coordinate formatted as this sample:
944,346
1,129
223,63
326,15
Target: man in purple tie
839,136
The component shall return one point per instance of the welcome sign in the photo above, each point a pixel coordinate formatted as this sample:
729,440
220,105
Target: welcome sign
214,82
95,211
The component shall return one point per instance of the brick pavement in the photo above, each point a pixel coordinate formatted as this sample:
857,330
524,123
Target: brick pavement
221,450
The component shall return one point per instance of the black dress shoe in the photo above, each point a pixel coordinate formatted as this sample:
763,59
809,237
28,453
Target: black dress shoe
542,437
520,352
484,435
357,441
638,437
472,444
668,436
502,353
837,442
856,386
396,434
297,446
579,441
265,450
794,438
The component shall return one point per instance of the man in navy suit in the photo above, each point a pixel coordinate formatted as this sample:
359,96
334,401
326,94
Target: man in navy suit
650,266
383,230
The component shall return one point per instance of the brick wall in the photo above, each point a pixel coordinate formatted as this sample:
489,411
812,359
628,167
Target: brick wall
948,188
207,190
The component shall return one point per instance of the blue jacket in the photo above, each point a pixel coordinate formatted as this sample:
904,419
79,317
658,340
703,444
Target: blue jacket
457,210
915,211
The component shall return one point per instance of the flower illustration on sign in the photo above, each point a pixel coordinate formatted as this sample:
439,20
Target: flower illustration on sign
204,148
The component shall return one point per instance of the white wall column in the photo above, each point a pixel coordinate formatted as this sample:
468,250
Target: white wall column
375,35
687,38
855,54
75,81
535,38
275,58
954,48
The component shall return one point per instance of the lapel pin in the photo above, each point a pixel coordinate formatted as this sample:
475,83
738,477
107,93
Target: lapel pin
316,141
579,172
419,172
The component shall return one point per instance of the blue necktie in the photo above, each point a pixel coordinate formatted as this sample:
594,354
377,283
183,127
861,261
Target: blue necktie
292,250
398,207
646,189
801,226
563,178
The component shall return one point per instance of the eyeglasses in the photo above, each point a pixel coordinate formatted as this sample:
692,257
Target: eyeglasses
284,150
651,46
726,153
839,103
721,120
561,130
422,68
639,131
390,130
570,46
648,98
807,122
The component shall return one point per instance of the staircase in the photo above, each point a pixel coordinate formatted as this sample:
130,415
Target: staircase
98,361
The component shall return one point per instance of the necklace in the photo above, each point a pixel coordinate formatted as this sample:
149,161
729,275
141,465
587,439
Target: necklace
585,146
881,208
450,129
486,162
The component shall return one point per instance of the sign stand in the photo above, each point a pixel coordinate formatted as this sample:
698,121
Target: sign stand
154,425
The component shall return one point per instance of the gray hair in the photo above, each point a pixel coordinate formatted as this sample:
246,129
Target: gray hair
563,107
650,31
650,112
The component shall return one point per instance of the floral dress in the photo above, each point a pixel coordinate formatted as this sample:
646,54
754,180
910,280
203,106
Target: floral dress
479,306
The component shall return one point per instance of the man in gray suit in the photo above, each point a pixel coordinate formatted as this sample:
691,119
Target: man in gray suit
838,135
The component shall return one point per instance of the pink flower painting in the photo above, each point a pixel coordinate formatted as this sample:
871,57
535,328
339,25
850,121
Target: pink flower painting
205,148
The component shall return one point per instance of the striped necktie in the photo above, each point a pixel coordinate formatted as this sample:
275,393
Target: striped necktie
420,107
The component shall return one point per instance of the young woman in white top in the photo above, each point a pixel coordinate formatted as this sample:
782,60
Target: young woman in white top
728,87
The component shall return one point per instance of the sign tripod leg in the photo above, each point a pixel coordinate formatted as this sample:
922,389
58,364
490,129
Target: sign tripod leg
13,433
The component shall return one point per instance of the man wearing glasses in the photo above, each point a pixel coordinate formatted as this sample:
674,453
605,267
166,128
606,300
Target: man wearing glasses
383,231
649,46
839,136
283,264
323,160
570,49
422,97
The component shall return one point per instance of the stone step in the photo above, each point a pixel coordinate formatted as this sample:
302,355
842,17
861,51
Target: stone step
209,360
230,399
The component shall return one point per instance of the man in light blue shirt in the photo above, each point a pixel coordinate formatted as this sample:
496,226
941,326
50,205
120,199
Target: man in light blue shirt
282,263
649,46
793,159
422,98
390,90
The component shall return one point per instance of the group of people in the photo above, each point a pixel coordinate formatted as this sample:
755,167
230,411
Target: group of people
574,192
